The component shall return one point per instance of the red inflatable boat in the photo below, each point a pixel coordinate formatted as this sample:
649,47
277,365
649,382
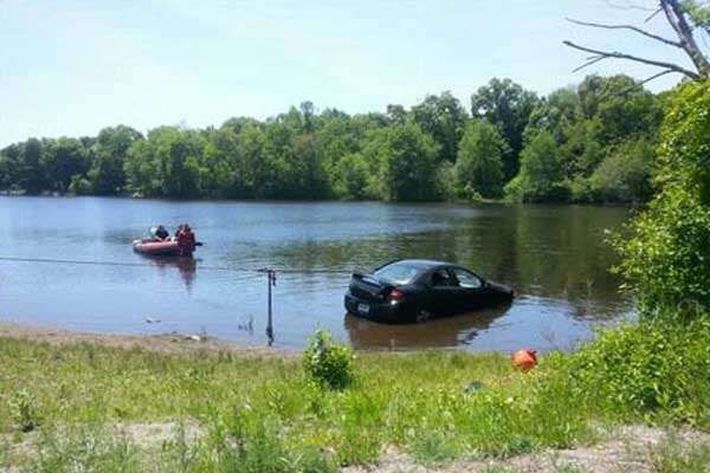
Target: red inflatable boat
182,244
162,248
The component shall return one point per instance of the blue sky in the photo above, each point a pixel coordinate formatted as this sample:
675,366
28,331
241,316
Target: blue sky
70,67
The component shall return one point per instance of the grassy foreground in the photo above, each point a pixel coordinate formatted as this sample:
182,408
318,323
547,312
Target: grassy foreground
244,412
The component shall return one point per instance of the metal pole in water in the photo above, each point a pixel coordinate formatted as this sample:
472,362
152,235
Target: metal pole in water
271,281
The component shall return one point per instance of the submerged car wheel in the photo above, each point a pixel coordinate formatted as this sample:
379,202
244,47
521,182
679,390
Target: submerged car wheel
423,315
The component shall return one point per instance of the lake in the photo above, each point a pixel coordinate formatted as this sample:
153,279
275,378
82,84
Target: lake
554,256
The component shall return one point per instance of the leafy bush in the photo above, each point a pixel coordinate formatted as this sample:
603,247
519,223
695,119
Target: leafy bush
654,370
667,257
327,362
23,407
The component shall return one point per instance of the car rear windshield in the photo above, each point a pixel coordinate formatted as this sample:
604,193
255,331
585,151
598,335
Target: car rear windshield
397,273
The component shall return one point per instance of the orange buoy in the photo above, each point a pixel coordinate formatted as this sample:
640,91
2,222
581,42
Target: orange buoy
525,359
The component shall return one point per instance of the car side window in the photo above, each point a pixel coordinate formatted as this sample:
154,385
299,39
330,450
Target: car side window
467,280
442,278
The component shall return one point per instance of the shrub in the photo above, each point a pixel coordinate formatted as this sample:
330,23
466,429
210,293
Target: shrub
667,257
653,370
328,363
24,410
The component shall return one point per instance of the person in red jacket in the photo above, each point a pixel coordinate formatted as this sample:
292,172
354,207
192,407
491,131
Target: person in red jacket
186,240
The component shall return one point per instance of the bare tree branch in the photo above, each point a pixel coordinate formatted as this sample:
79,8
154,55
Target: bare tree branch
650,62
655,76
628,6
592,60
652,15
627,27
639,85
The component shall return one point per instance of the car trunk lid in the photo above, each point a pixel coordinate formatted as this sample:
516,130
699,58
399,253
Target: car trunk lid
368,287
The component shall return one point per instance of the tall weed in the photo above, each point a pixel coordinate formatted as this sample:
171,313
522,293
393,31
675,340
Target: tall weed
327,362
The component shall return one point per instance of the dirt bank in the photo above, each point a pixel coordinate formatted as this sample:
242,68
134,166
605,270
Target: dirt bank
164,343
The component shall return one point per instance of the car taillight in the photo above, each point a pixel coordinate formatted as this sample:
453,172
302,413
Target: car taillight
396,295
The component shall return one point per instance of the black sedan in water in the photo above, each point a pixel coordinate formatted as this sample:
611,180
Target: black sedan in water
417,290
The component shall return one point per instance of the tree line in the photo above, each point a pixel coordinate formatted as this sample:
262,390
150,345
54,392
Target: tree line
593,142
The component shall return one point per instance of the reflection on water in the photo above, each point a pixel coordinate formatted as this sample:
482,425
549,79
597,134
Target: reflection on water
186,267
444,332
555,257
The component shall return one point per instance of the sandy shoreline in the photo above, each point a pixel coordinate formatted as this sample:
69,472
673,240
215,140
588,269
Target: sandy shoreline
164,343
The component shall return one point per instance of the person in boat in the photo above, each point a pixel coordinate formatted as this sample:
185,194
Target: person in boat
161,233
190,236
185,239
178,232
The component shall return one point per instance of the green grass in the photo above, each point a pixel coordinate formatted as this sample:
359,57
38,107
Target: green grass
673,457
262,414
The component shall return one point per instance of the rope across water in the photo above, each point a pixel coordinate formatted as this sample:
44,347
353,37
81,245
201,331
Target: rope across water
240,269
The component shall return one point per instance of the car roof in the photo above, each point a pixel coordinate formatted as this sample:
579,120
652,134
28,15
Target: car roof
421,263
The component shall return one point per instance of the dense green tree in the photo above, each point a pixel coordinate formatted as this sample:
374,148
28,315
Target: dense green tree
308,112
555,114
589,124
540,177
254,173
166,164
581,149
63,159
80,185
10,166
479,166
179,152
508,106
219,171
109,153
353,177
337,136
396,114
302,154
32,174
408,160
625,174
622,107
311,178
444,119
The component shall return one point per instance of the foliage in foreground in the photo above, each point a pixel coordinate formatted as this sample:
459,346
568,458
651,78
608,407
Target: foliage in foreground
265,413
327,362
655,371
667,258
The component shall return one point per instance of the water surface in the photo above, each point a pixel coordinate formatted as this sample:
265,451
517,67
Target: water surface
555,257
